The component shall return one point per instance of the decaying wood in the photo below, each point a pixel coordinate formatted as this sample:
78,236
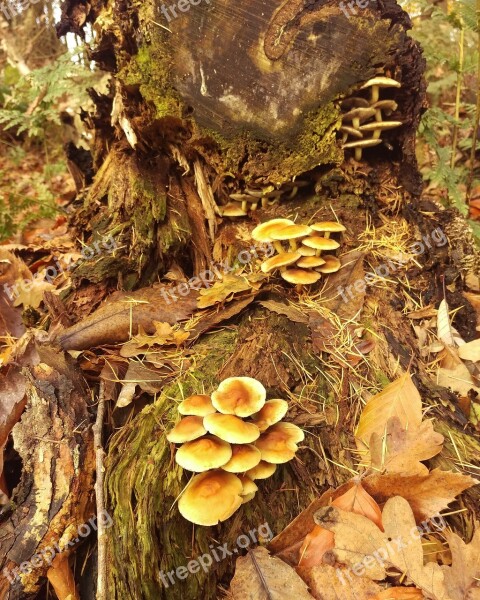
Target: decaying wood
54,495
235,94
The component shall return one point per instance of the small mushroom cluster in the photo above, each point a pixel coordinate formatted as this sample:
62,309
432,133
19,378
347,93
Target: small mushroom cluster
230,439
357,123
265,196
302,263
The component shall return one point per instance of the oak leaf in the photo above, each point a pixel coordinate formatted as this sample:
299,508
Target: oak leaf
427,494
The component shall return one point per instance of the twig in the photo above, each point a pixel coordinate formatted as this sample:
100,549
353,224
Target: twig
99,458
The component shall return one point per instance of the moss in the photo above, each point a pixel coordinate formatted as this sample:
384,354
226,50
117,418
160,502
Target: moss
149,71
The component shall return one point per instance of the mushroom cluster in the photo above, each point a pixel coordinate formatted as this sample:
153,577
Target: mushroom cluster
267,195
302,262
363,122
230,439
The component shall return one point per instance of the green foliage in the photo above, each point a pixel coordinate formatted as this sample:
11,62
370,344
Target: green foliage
44,88
440,36
17,209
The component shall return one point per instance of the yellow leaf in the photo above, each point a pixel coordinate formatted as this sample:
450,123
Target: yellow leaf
399,399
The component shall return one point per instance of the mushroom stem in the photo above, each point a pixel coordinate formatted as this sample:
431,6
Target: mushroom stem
293,245
244,206
326,234
278,247
293,193
376,134
375,93
378,115
265,201
356,122
254,206
358,154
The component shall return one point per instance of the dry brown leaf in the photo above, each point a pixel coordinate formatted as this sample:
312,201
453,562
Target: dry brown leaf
164,334
319,540
120,317
427,494
399,399
360,543
470,351
401,450
145,375
462,579
287,310
12,403
454,374
445,330
399,593
60,576
224,290
330,583
260,576
350,275
30,293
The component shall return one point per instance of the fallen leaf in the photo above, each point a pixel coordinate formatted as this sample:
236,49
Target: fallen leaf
360,544
12,403
399,399
260,576
454,374
119,318
222,290
463,577
427,494
330,583
144,375
287,310
164,334
402,450
343,294
319,540
445,330
470,351
399,593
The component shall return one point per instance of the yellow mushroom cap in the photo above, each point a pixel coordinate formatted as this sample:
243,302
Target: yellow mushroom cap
291,232
300,276
320,243
231,429
272,412
304,251
211,497
233,209
363,143
262,232
188,429
199,405
262,471
280,260
241,396
279,443
359,113
244,457
382,82
310,262
332,264
250,488
332,226
208,452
